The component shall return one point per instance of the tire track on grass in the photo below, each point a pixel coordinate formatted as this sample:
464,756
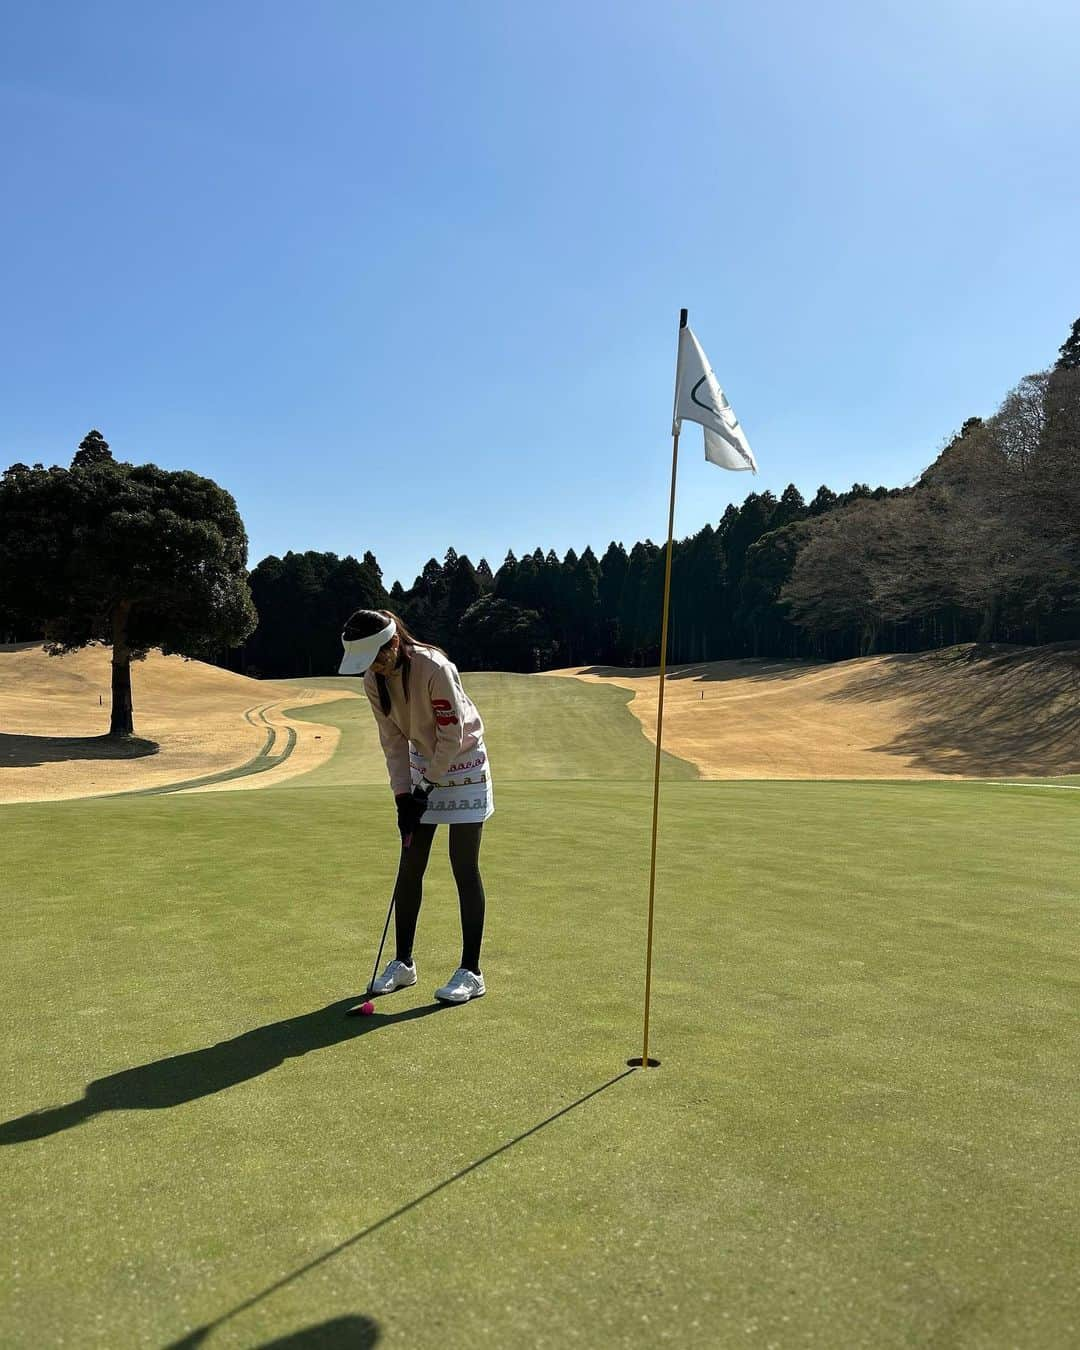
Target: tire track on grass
264,759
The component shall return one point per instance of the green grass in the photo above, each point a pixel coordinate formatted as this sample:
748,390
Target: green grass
1064,780
534,728
862,1132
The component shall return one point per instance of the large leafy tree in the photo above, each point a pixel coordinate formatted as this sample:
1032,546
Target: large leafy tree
768,567
1042,445
831,587
128,555
1009,486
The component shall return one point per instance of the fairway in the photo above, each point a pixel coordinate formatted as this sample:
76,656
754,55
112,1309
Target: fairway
536,728
862,1132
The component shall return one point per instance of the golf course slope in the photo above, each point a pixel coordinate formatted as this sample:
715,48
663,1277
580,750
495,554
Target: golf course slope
963,712
192,720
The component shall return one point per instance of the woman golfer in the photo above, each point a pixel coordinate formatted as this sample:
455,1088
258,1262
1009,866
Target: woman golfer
433,740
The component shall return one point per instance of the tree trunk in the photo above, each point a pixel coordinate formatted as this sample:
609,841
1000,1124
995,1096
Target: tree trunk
989,620
121,724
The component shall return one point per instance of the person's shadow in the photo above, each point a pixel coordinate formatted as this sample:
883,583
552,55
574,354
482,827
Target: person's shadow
198,1073
340,1333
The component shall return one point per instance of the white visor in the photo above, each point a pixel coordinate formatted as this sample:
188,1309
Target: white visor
360,653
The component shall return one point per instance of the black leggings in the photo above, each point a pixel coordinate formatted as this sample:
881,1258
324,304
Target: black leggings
408,892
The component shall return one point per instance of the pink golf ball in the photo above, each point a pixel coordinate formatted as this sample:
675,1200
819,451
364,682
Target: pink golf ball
367,1008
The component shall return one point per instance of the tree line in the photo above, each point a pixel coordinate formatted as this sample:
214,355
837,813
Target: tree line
984,546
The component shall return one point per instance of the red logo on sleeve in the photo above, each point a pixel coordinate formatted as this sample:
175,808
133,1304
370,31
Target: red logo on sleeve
444,712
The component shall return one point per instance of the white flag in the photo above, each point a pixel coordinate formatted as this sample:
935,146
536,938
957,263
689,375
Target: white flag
699,398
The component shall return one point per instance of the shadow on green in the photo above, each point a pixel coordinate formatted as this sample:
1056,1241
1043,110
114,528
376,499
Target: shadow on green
197,1336
339,1333
200,1073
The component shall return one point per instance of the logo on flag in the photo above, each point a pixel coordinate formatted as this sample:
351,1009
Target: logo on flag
699,398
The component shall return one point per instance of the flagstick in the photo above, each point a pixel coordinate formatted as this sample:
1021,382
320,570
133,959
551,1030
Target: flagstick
660,731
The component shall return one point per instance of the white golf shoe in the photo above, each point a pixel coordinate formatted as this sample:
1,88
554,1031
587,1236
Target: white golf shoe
461,986
397,975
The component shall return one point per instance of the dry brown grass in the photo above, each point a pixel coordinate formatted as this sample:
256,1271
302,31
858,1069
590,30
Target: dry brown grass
966,712
189,722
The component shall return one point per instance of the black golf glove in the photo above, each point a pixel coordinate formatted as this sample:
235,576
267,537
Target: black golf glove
411,807
405,815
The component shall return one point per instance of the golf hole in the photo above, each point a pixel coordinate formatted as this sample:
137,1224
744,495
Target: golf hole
650,1063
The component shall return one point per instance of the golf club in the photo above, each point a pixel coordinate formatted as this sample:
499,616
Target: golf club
406,842
375,969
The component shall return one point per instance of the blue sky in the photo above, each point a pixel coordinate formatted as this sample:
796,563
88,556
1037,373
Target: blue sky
402,278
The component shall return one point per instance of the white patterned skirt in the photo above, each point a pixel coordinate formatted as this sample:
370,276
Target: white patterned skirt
465,795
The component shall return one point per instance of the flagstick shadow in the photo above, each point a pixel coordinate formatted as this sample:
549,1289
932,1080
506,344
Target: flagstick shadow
200,1073
196,1337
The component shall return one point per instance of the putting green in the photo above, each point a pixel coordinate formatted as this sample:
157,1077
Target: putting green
862,1131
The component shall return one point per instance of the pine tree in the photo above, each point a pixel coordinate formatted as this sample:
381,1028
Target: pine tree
641,603
613,569
790,507
427,600
1069,352
464,590
527,581
727,520
824,500
859,492
707,619
93,449
506,578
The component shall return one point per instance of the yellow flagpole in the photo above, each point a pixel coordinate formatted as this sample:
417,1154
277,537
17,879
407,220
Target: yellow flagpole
660,730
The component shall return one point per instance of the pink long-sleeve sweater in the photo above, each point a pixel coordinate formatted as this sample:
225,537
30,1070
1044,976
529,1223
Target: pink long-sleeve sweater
439,718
